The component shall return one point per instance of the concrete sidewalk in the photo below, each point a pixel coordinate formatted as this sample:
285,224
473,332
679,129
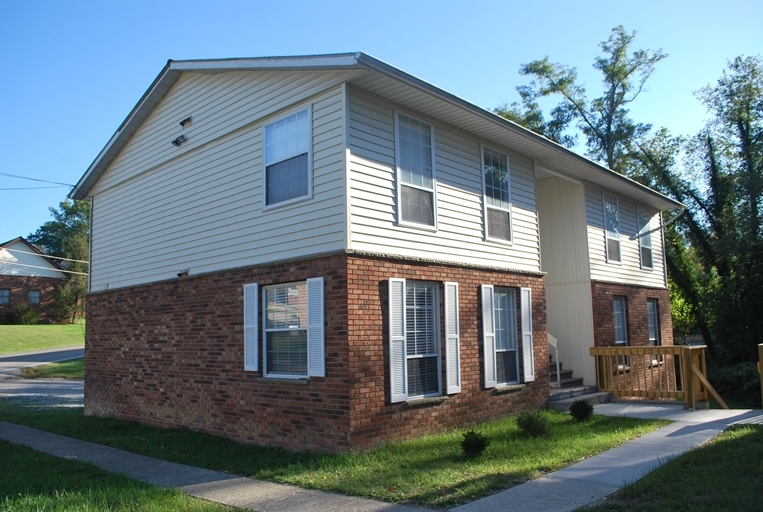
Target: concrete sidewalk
581,484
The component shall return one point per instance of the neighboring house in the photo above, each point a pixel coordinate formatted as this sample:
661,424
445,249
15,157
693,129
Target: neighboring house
27,277
333,253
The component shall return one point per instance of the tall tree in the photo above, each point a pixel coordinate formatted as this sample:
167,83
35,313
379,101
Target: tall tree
604,121
68,236
716,258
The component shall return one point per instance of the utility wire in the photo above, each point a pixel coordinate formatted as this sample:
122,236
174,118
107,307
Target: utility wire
44,268
35,179
45,255
33,188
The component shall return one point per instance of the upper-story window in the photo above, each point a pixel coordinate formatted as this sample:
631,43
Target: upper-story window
612,227
644,239
288,158
415,171
497,214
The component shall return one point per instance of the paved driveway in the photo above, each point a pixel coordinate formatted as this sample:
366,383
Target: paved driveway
44,393
11,364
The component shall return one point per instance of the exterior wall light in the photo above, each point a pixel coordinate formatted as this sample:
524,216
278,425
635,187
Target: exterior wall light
177,142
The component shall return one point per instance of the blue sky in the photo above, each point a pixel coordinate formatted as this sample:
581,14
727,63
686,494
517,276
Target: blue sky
70,71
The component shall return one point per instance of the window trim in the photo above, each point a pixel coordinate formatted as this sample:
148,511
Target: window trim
640,213
315,327
624,301
266,163
486,234
398,353
607,237
399,177
39,297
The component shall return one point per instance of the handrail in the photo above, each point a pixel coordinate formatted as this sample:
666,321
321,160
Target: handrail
552,341
674,372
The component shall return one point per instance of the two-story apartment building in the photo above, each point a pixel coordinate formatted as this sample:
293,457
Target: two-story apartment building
334,253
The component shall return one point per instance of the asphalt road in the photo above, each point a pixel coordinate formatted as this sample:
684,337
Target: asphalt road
11,365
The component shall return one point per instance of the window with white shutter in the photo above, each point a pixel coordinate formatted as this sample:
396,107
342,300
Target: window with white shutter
500,335
452,340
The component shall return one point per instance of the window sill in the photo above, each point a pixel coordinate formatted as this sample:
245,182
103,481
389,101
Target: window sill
286,202
498,241
424,402
413,225
504,389
302,381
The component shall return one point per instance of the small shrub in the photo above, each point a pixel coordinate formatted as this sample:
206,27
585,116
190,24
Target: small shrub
739,382
580,410
534,424
474,443
22,314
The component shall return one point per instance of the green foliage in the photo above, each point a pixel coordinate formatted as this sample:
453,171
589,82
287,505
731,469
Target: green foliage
21,314
534,424
603,120
715,250
68,236
738,382
474,443
26,338
581,410
74,369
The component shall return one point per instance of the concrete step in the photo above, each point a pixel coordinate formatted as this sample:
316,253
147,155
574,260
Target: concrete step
564,393
563,405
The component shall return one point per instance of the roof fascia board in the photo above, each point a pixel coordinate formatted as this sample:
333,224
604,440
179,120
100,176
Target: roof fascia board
379,66
337,61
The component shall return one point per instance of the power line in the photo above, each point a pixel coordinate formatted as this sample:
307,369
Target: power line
44,268
32,188
45,255
35,179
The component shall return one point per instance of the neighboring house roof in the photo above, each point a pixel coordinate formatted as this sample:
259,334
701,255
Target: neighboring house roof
388,82
20,258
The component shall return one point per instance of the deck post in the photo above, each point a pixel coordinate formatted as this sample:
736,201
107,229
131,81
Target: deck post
687,376
760,369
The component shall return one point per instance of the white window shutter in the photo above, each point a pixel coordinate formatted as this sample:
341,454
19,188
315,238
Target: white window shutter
397,365
251,310
316,342
488,334
527,334
452,344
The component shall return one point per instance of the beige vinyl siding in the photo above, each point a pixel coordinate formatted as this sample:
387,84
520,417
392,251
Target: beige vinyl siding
203,209
628,271
564,253
459,237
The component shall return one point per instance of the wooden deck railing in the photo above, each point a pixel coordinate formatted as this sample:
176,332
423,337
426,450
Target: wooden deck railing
676,372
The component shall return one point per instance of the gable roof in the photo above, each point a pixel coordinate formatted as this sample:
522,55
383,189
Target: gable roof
31,250
391,83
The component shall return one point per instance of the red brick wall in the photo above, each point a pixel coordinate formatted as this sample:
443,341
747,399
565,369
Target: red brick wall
635,299
20,286
171,354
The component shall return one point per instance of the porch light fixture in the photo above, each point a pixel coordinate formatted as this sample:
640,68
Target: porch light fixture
177,142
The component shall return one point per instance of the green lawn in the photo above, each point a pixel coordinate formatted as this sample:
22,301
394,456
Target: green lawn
725,474
33,481
430,471
74,369
26,338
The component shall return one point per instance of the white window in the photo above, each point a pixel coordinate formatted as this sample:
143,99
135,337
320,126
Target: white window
497,201
653,321
612,227
293,329
5,296
621,330
500,334
415,364
620,321
415,172
34,297
644,239
288,159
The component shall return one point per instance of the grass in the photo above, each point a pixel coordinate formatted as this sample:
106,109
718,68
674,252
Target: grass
74,369
430,471
725,474
26,338
33,481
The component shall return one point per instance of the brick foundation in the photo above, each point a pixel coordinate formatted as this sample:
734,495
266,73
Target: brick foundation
20,287
171,354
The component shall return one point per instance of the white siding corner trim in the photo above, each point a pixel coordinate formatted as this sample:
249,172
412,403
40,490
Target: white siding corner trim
397,365
452,343
251,310
527,334
488,334
316,345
